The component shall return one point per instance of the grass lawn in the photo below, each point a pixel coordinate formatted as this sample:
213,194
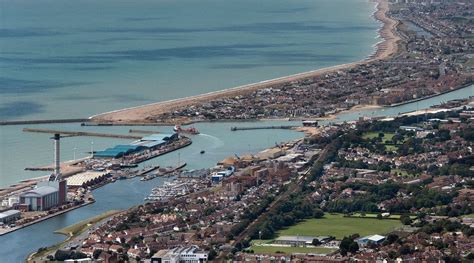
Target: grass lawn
339,226
468,216
79,227
403,173
387,137
289,250
391,148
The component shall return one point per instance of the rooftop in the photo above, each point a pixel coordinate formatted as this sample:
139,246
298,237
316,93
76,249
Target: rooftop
40,191
9,213
296,238
82,178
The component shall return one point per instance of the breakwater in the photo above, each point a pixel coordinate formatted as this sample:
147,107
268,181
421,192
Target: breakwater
284,127
51,121
81,133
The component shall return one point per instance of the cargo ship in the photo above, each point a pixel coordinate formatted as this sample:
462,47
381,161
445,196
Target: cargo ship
177,128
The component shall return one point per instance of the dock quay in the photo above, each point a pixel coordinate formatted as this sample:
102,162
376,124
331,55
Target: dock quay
263,127
143,131
22,122
44,169
60,212
163,172
148,170
81,133
172,147
90,123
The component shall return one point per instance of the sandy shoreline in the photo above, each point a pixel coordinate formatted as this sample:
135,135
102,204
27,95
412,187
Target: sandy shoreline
384,49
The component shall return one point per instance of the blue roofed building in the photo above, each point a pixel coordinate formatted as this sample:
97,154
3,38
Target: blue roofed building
374,239
150,142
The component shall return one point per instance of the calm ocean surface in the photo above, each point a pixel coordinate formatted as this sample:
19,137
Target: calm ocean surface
62,59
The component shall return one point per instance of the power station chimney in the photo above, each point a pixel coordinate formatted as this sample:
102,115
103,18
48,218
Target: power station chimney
57,168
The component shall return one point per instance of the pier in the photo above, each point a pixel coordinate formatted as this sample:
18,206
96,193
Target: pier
143,131
148,170
285,127
22,122
81,133
95,123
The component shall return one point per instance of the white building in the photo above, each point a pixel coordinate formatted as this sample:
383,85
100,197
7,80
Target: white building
9,216
190,254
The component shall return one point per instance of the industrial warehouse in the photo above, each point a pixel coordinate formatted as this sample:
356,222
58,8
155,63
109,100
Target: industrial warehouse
148,143
85,179
70,184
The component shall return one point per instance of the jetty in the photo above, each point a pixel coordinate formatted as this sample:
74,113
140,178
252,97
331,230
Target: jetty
22,122
81,133
148,170
163,172
285,127
143,131
97,123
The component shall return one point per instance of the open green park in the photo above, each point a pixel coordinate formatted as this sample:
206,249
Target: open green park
336,225
339,226
386,139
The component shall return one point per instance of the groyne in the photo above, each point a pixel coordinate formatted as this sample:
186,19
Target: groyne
284,127
51,121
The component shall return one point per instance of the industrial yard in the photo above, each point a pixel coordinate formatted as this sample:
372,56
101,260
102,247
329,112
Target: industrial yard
70,184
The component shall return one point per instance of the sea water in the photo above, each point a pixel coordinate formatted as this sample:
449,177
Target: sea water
65,59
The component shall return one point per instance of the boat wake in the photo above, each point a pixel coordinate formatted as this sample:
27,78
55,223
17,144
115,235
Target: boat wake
216,142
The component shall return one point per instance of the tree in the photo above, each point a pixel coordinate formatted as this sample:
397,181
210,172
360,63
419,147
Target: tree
316,242
405,249
348,245
392,238
405,219
353,247
97,253
78,255
61,255
318,213
212,254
